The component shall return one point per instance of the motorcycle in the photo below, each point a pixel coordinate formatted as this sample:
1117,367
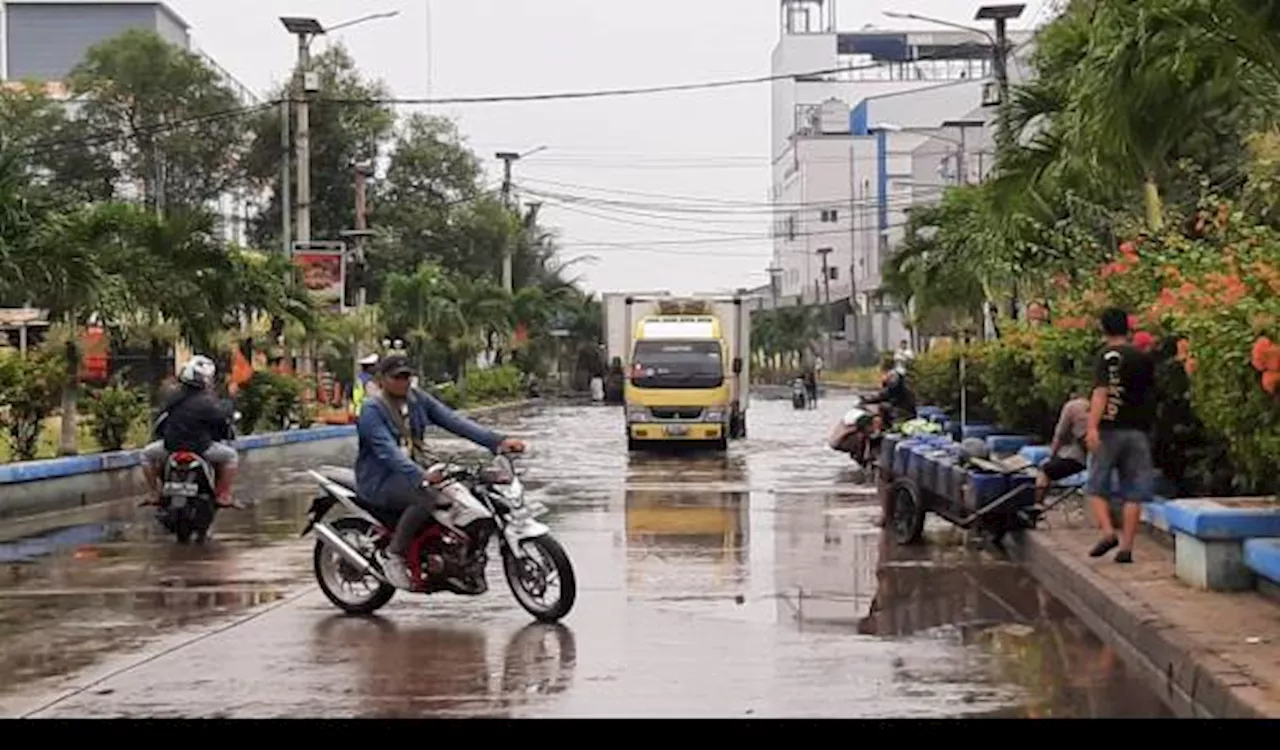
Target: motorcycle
858,433
187,507
799,394
450,554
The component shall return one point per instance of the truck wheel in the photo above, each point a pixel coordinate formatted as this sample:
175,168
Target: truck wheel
633,445
721,445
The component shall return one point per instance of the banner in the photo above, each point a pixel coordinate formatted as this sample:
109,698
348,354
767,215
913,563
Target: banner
322,276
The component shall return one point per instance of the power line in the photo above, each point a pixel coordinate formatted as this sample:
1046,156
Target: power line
637,91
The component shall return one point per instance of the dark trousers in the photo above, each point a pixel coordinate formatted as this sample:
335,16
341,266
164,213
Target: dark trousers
415,503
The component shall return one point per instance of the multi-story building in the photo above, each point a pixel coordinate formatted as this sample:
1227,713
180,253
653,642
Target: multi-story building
866,124
42,42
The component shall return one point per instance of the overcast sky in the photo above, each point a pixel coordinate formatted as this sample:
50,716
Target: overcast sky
670,147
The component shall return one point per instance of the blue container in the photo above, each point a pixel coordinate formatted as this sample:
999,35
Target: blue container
1007,445
980,431
1036,454
888,444
944,477
983,489
931,413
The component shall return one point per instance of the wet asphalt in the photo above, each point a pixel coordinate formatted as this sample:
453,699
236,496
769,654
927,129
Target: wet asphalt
748,585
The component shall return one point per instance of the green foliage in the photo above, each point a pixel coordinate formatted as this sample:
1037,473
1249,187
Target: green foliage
494,385
115,410
30,390
267,401
935,378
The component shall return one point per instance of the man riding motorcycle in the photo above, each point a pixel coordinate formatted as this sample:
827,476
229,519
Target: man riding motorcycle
194,419
390,430
895,397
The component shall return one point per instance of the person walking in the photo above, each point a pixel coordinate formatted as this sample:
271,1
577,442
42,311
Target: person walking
1121,415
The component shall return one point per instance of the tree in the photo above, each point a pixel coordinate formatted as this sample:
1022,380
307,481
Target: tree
56,150
177,125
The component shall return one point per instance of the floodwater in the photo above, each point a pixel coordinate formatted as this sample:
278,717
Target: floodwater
752,584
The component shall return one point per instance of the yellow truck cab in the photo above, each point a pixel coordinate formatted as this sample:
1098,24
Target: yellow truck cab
685,362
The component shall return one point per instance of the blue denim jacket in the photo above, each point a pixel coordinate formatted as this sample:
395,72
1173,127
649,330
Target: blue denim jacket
380,455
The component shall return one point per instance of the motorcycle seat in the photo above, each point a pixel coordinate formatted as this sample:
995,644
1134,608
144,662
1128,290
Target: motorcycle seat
339,475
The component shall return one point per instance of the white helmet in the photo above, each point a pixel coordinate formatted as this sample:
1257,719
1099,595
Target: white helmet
198,372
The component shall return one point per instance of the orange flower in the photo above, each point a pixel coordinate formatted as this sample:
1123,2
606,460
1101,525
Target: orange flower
1184,350
1076,323
1144,341
1269,275
1062,282
1265,355
1271,382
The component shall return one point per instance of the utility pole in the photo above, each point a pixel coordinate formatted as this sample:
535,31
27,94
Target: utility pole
507,157
286,190
826,293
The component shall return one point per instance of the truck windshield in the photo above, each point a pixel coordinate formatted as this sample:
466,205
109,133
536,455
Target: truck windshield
677,364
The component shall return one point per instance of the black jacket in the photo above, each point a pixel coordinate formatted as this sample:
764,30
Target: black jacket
192,420
896,394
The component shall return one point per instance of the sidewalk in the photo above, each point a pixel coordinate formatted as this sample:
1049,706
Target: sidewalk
1210,655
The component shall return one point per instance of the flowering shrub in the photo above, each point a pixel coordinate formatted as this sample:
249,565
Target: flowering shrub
1209,305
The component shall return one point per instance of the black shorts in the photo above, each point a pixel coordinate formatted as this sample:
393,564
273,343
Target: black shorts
1058,468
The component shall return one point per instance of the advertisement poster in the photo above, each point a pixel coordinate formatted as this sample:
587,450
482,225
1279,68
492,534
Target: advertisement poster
322,275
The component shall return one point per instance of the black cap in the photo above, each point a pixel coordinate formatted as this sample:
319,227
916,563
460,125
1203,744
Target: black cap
395,364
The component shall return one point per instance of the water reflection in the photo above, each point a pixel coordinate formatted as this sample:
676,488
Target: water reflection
1029,638
698,541
427,670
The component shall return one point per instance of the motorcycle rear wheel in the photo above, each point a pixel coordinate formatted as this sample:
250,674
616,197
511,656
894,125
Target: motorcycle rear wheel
525,581
331,571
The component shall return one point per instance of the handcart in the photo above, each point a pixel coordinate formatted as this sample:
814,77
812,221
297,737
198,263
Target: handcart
930,474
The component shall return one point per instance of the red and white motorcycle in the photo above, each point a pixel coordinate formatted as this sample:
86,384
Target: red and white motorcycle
451,554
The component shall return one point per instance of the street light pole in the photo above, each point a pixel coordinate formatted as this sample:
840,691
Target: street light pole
1001,14
307,29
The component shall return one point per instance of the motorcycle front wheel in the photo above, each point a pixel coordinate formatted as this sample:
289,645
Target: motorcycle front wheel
532,579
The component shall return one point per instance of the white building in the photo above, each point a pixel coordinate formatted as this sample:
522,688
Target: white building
857,138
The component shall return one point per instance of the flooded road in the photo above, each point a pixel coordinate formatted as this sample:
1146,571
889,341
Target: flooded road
752,584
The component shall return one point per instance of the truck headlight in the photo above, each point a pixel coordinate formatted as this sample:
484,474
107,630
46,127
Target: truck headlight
713,415
637,413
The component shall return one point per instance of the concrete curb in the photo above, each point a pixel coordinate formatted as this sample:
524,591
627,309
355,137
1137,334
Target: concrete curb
59,484
1195,684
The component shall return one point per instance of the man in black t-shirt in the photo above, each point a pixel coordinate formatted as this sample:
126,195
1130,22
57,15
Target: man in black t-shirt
1121,415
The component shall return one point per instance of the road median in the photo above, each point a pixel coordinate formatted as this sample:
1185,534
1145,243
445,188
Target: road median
59,484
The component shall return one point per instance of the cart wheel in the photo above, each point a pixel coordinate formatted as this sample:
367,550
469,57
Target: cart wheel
908,512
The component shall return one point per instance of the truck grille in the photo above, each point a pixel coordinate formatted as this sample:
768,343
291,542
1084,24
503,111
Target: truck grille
676,412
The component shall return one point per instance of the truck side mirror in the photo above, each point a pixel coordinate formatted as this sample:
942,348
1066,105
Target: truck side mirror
737,365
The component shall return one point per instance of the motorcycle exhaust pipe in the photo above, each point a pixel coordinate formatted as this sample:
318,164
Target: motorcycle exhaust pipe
348,552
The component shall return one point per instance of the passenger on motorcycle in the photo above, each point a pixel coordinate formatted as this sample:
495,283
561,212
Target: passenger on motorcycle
193,419
390,431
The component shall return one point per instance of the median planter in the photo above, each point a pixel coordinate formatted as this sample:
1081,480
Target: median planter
57,484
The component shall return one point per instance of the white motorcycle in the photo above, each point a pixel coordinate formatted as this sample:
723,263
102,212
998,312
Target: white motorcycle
450,554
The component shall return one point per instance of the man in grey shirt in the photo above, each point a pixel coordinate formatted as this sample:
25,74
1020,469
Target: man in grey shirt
1068,452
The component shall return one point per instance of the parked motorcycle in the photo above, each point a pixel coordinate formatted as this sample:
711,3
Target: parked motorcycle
799,393
450,554
858,433
187,507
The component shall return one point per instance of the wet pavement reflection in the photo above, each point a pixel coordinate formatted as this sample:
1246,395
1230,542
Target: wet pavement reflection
752,583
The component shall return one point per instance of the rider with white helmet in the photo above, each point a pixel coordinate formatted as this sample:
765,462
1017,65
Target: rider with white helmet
194,419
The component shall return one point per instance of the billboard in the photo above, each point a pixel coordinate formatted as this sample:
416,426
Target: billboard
323,272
